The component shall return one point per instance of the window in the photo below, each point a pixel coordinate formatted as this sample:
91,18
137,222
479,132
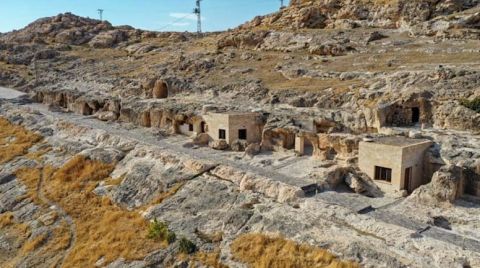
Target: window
190,127
242,134
222,134
383,174
202,127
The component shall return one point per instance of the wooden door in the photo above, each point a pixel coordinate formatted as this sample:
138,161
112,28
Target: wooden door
408,179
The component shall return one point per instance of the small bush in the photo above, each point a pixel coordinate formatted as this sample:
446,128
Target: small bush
171,237
159,231
472,104
186,246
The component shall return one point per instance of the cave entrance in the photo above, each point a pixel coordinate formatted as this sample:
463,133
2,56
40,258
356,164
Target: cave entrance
308,147
415,115
471,187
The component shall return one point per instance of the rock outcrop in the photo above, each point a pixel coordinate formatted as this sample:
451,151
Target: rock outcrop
444,187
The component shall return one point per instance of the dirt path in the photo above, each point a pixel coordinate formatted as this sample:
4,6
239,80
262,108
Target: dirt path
63,215
6,93
176,146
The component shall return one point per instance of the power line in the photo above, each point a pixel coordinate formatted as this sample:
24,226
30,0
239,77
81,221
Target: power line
173,22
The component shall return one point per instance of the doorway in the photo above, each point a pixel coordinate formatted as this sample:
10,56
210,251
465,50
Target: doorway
308,147
408,179
202,127
415,115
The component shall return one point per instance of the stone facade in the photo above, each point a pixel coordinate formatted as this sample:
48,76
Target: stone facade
396,154
234,126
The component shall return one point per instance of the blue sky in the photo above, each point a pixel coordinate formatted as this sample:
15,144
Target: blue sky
174,15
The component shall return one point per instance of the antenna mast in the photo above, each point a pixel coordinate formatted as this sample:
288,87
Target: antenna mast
197,11
100,12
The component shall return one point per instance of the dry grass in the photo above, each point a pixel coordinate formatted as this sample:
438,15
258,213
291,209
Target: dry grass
103,229
17,231
115,182
30,177
6,219
15,140
165,195
38,155
259,250
60,239
34,243
19,69
209,259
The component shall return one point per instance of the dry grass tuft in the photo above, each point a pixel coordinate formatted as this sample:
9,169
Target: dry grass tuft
115,181
38,155
34,243
30,177
209,259
165,195
15,140
103,229
6,219
259,250
210,237
60,239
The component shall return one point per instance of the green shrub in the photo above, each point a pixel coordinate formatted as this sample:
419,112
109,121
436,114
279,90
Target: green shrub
472,104
186,246
159,231
171,237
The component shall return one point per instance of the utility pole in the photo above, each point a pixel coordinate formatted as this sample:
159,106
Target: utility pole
100,12
197,11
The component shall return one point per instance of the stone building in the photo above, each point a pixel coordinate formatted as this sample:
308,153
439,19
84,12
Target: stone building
395,163
232,126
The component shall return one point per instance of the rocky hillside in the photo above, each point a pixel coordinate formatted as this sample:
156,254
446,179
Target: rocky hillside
104,124
319,14
68,29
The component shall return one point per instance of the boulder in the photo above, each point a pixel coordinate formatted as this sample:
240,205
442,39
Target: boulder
355,183
374,36
201,139
108,39
327,49
219,145
104,155
253,149
106,116
442,189
238,145
452,115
